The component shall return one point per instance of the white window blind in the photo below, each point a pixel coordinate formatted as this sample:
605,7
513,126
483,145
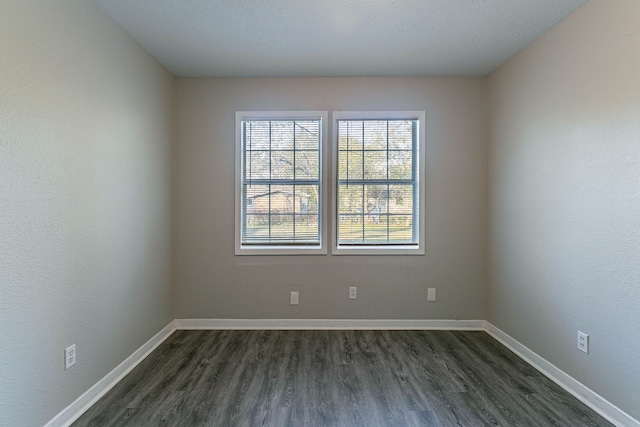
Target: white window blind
378,182
280,182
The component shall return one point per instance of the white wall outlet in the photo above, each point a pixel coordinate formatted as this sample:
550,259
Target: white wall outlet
431,294
69,356
295,298
583,342
353,292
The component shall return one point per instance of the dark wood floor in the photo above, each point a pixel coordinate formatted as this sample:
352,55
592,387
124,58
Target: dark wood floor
336,378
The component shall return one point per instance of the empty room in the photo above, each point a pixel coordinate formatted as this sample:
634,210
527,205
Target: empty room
319,213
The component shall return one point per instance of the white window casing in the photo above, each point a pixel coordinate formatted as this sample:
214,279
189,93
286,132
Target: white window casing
378,190
280,193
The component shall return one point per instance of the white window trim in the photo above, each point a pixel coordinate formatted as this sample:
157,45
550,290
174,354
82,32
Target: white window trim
320,249
418,249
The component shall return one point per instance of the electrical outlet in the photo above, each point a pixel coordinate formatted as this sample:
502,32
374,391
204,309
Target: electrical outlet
295,298
69,357
583,342
353,292
431,294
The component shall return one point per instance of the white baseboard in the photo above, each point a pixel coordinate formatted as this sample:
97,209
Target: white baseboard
362,324
91,396
587,396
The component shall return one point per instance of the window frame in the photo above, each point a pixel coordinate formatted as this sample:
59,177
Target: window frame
382,249
283,249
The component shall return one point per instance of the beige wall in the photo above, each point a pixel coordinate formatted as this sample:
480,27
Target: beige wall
564,204
85,204
213,283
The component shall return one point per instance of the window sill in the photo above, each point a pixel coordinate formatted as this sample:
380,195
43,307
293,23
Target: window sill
280,250
378,250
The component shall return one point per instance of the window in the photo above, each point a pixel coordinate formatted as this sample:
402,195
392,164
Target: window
279,187
378,179
378,201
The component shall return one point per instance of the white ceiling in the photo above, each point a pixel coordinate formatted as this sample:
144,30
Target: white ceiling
318,38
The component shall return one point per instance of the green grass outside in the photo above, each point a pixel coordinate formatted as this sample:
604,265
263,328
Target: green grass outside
348,232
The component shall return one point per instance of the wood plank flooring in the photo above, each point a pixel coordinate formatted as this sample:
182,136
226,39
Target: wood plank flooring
336,378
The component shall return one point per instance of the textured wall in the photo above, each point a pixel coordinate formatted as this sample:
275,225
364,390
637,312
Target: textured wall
564,203
213,283
85,180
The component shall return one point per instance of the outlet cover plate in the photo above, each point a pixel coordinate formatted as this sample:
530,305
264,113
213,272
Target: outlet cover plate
431,294
295,298
69,356
353,292
583,342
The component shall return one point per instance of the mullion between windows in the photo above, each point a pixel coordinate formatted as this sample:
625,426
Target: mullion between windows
270,168
363,192
388,186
